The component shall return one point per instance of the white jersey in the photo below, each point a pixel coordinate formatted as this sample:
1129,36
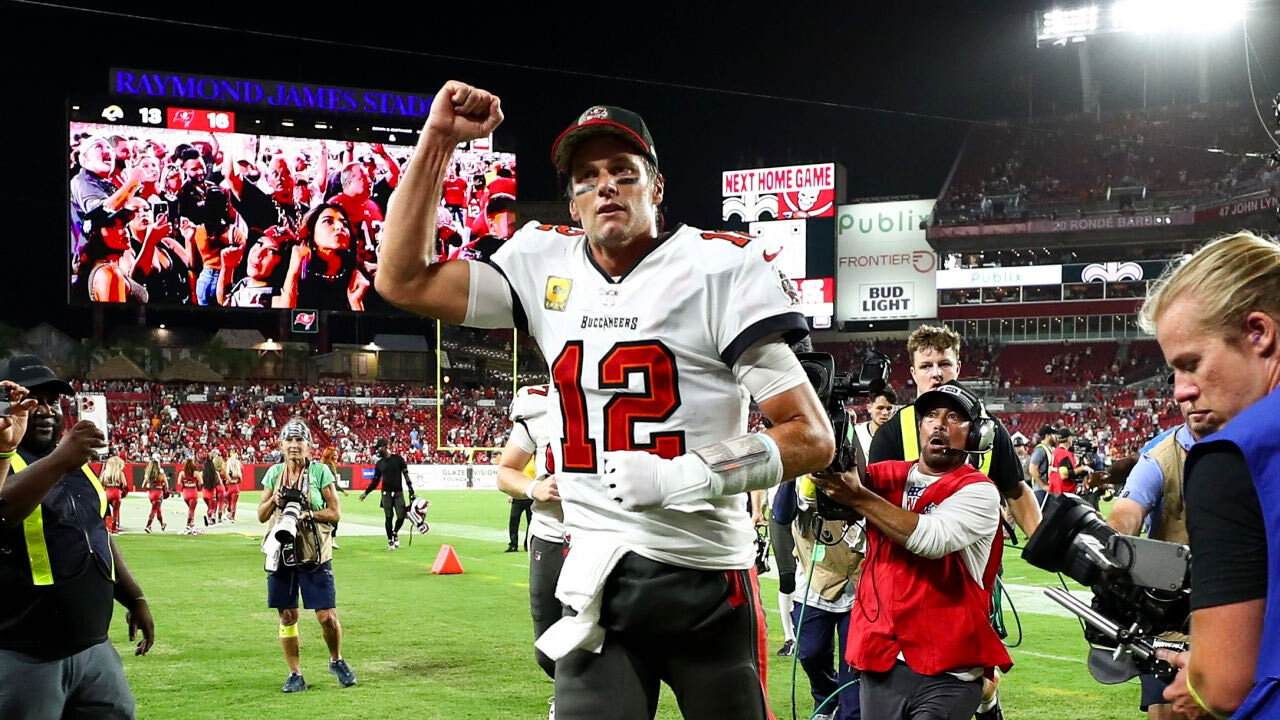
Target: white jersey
532,416
644,362
864,434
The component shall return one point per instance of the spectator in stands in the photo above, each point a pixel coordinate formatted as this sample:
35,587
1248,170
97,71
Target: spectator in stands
323,272
100,274
94,197
161,264
265,269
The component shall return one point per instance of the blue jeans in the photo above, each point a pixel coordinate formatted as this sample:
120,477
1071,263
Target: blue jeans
207,287
815,645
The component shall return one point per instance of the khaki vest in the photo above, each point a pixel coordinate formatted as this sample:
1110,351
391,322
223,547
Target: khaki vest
837,565
1170,456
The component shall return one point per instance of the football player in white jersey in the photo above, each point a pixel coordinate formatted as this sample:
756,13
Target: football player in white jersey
526,470
656,339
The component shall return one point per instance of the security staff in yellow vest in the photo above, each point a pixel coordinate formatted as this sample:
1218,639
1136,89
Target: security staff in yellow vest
831,580
935,360
59,569
1153,491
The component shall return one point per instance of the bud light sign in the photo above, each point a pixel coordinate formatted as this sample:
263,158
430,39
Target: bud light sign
306,321
887,300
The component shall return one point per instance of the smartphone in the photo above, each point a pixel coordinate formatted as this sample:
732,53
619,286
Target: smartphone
4,408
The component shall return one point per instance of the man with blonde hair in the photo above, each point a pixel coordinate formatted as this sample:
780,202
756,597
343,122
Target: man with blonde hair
1217,318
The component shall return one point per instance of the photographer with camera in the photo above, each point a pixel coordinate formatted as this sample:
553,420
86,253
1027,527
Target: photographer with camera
935,360
300,507
1067,473
831,579
1217,318
920,632
59,568
1153,492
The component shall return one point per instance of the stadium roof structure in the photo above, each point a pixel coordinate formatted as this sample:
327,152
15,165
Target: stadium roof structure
401,343
240,339
172,337
189,370
118,368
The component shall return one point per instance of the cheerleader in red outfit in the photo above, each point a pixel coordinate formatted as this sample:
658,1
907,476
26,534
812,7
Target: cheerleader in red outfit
114,483
157,485
189,484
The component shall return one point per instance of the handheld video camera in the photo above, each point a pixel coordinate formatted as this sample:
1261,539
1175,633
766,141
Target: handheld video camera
1140,586
835,390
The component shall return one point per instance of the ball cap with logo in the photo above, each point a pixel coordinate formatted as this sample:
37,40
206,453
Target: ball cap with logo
30,372
949,394
603,120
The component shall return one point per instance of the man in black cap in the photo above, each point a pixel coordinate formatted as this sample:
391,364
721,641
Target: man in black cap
391,471
59,567
656,334
922,640
1041,458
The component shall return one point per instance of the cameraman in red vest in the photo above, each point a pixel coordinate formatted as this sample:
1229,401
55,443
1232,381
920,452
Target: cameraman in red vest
919,631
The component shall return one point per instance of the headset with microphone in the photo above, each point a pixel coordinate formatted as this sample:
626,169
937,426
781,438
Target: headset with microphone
982,430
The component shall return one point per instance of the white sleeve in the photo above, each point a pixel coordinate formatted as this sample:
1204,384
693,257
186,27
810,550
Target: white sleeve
488,298
755,301
970,515
521,437
767,369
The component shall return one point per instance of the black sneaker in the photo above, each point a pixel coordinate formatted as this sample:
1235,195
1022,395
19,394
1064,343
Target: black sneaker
788,648
995,713
511,548
295,683
342,671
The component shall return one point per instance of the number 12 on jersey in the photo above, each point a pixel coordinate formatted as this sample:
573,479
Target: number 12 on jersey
660,398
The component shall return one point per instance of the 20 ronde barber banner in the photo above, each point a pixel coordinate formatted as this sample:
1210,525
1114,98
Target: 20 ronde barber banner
884,265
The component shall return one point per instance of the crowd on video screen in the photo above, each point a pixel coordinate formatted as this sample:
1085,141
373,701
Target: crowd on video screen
174,217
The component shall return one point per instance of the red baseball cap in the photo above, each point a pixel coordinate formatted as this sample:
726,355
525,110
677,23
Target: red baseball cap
602,120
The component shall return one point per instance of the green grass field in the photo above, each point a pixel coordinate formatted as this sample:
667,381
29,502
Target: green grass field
456,646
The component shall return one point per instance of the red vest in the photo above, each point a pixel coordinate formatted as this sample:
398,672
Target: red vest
931,611
1057,484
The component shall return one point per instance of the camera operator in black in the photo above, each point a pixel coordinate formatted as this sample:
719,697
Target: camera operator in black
390,471
204,212
306,564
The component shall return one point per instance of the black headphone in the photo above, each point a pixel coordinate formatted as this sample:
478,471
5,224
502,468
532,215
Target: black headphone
982,432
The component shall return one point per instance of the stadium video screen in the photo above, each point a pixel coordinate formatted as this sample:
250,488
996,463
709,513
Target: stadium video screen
173,206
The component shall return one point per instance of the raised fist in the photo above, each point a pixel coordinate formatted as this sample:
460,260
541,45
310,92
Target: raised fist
460,112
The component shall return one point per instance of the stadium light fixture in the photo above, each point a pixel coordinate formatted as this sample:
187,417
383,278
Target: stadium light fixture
1060,26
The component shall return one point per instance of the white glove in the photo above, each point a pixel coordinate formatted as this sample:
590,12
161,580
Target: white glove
641,481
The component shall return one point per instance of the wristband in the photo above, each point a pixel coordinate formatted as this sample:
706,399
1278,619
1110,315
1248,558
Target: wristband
7,455
1196,696
528,489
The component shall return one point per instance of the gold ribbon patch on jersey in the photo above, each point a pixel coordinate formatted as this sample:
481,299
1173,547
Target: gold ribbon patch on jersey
558,289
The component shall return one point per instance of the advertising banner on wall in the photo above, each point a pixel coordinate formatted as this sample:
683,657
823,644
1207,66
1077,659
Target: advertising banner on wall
884,266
